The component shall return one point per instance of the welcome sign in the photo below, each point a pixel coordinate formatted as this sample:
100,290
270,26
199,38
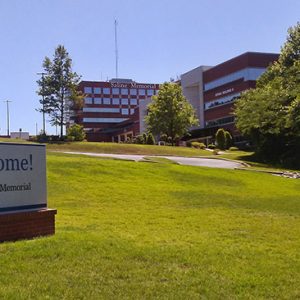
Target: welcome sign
22,177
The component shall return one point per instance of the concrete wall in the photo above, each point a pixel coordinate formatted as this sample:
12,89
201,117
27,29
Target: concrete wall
192,89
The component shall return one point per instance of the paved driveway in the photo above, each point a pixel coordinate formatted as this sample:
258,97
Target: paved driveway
190,161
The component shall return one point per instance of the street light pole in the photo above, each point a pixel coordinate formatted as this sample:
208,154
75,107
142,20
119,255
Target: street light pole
43,97
7,115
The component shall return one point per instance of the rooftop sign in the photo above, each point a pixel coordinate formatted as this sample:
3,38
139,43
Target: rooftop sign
22,177
134,85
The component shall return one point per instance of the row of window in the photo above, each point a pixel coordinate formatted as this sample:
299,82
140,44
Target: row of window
218,122
123,111
246,74
221,101
103,120
109,101
118,91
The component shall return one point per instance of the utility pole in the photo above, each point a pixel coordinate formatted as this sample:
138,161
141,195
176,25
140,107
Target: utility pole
43,99
116,47
7,115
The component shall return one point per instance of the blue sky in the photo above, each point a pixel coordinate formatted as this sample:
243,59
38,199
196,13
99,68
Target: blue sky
157,40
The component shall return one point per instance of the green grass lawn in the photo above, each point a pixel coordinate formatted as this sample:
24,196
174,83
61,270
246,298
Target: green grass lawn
129,230
127,149
149,150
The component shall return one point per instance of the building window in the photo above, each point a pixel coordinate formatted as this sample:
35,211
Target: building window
116,101
131,111
142,92
133,92
88,100
244,74
124,91
106,91
97,90
106,101
150,92
221,101
97,100
124,111
133,101
124,101
254,73
103,120
87,90
115,91
218,122
101,110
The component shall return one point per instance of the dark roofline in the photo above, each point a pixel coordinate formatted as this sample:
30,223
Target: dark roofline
241,55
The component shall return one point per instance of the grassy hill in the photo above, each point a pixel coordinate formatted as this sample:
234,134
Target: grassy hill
149,150
129,230
128,149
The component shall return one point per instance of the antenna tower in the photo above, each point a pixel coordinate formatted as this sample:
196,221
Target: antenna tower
116,48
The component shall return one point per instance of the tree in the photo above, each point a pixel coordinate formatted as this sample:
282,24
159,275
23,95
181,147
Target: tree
144,138
228,140
170,113
59,88
150,139
269,115
76,133
220,138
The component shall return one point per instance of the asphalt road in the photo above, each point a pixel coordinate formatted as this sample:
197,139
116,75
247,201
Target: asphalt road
190,161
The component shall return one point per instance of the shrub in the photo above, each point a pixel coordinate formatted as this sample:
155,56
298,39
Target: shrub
197,145
150,139
144,138
163,137
234,149
70,138
216,151
211,146
228,140
220,138
42,138
139,139
128,140
188,143
75,133
56,138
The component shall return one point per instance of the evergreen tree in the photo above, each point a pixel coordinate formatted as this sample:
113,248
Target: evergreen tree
59,87
228,140
150,139
220,138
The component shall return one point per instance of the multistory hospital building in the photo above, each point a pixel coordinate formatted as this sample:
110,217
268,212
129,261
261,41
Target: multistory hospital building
114,110
213,90
111,108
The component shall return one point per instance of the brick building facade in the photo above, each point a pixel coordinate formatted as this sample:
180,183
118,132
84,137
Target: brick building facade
215,89
111,108
224,83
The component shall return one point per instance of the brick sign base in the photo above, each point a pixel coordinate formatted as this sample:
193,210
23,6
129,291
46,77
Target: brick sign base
26,225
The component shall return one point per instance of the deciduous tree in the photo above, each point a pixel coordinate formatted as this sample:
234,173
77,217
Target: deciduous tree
170,113
270,114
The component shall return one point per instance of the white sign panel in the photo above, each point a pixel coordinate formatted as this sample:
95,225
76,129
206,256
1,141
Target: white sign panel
22,177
